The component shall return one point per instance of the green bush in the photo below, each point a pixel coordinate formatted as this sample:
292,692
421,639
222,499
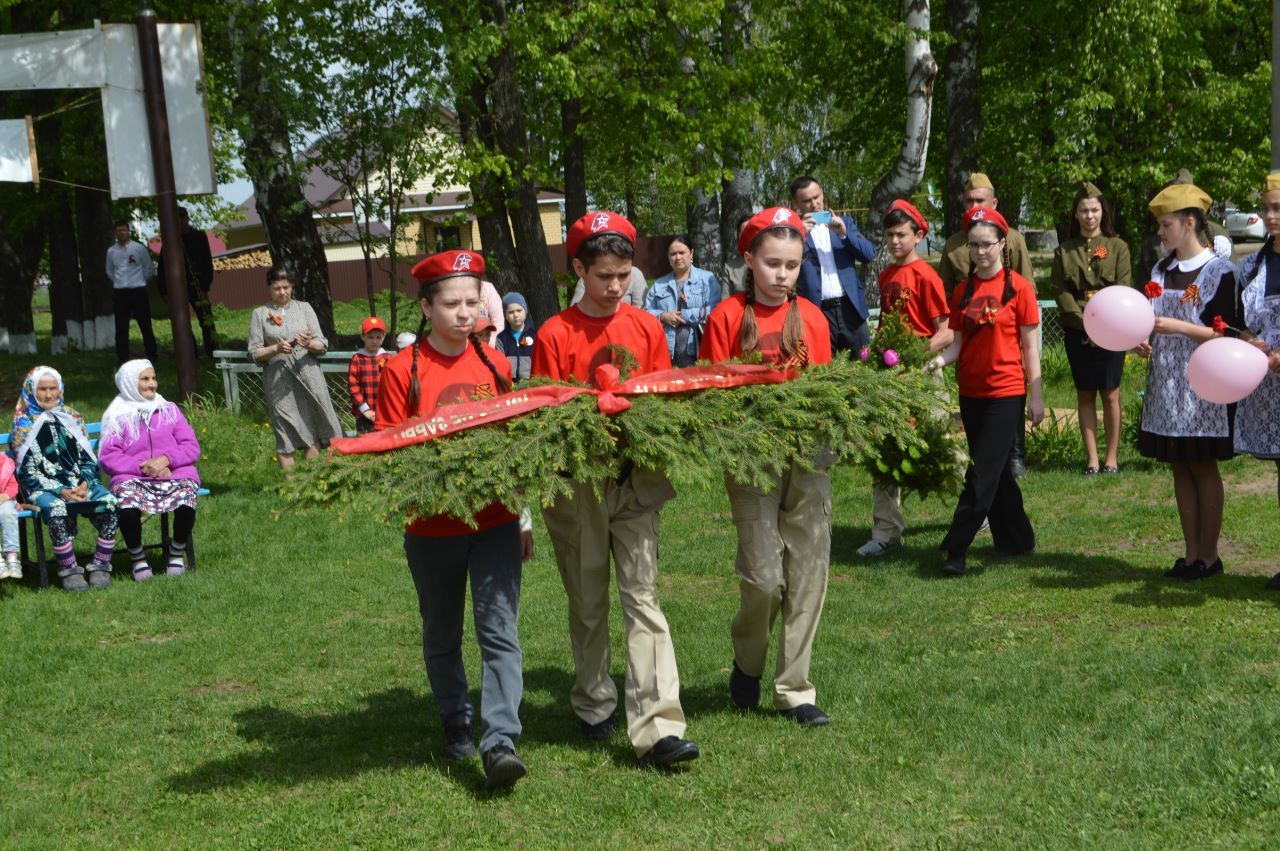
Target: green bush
1054,441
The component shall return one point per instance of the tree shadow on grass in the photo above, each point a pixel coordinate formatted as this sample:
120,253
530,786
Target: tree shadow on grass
1155,591
391,729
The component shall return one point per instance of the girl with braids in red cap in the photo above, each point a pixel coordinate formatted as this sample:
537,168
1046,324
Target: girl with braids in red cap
996,350
784,530
448,366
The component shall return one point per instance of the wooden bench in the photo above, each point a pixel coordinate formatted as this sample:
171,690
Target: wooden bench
27,512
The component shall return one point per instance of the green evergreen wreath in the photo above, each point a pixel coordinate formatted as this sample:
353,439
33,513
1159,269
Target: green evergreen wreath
749,432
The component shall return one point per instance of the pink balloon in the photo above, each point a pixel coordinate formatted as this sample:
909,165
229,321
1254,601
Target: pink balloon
1225,370
1118,318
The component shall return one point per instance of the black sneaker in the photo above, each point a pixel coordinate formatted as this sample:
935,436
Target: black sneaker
806,715
1200,570
502,768
1178,571
744,689
954,566
457,742
598,732
1273,584
669,751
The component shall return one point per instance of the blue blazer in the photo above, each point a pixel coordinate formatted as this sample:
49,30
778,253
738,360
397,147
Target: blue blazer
852,249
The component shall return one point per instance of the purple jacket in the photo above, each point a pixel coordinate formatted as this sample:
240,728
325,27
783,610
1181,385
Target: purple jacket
122,460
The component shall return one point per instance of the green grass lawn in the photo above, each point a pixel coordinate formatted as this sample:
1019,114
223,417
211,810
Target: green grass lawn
276,697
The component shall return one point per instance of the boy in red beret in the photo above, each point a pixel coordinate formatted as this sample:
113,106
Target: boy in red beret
585,529
363,373
908,286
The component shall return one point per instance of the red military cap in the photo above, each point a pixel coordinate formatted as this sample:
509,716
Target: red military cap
373,323
594,224
985,216
449,264
910,209
770,217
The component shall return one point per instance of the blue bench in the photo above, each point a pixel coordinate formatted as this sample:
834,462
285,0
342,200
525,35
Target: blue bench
25,514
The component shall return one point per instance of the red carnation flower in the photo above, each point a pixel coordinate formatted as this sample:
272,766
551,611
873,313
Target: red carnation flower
1219,325
1153,290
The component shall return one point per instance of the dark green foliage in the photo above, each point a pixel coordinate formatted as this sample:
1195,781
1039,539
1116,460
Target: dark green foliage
750,433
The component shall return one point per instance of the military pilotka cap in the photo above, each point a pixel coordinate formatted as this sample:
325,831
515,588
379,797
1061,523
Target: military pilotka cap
1087,190
1179,196
1273,181
978,180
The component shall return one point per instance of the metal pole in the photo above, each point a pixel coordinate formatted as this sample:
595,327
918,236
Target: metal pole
175,267
1275,85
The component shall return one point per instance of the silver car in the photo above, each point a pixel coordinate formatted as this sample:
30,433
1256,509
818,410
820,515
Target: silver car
1243,226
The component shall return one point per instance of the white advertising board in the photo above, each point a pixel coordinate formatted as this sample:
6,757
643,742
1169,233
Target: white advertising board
17,153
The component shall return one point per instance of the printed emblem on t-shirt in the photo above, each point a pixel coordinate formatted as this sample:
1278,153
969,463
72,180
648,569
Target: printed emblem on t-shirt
982,310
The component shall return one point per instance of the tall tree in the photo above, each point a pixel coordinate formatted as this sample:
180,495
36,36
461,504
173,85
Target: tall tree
264,109
964,114
904,177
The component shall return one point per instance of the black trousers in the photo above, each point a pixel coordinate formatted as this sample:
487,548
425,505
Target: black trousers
990,490
849,331
184,520
199,299
130,304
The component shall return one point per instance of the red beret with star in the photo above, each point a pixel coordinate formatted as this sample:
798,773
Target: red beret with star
770,217
910,209
594,224
984,216
449,264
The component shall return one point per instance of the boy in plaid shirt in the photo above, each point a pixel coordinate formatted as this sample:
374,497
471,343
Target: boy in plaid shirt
364,371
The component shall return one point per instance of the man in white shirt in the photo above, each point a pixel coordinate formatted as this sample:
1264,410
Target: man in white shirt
828,274
129,268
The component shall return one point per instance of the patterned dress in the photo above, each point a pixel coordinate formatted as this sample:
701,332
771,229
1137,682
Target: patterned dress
58,461
1177,425
1257,427
293,385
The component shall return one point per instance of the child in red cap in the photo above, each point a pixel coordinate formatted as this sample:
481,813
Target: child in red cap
623,521
908,286
448,366
784,529
996,350
364,371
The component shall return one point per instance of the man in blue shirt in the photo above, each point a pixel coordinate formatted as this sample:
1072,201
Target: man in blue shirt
828,275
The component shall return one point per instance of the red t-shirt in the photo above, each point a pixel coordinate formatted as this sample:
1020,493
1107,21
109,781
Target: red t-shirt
925,298
442,380
572,344
722,339
990,365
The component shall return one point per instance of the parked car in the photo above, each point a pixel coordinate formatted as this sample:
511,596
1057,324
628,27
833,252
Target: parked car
1243,226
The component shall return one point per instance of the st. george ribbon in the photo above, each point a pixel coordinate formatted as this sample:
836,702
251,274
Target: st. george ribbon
610,400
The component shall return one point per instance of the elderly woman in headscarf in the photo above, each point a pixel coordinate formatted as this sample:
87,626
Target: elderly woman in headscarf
149,451
58,473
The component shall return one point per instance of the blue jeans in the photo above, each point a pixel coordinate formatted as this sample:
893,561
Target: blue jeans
9,526
440,567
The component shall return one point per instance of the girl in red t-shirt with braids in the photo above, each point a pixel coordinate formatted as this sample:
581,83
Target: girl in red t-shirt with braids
448,366
996,350
784,531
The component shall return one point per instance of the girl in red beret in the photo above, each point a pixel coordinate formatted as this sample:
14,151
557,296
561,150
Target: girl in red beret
447,366
996,350
784,530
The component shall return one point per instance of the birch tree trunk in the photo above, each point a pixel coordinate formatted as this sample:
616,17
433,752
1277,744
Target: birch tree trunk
905,176
964,117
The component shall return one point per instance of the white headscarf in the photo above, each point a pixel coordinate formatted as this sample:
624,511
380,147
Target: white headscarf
129,411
